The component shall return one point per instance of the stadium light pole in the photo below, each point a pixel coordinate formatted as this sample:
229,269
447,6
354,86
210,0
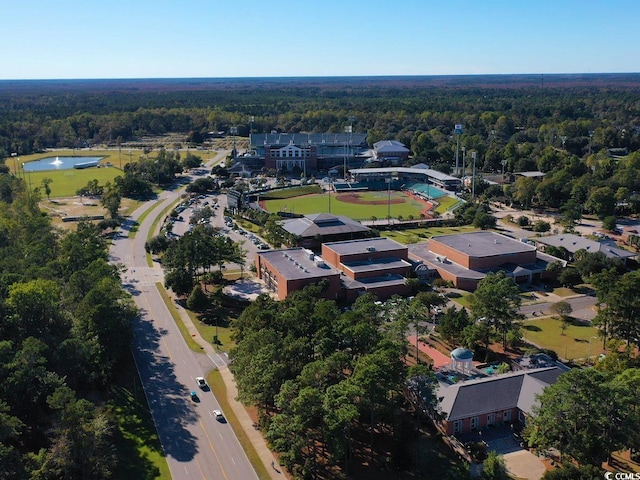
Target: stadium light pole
234,132
473,176
389,200
457,131
464,157
348,129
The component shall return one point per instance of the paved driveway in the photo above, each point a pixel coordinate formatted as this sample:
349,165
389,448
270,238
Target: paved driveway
520,462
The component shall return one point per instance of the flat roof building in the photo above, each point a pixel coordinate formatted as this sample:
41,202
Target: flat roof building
466,258
375,265
285,271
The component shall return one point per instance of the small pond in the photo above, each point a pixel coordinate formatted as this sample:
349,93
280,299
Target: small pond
60,163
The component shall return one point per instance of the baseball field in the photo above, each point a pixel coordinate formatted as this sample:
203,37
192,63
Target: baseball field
355,205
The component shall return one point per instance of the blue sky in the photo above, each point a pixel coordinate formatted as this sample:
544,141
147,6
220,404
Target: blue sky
44,39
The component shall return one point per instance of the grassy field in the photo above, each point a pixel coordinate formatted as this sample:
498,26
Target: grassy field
445,203
309,204
65,183
573,344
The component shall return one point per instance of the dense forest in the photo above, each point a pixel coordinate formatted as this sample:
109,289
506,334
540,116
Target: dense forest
503,117
65,330
576,129
329,385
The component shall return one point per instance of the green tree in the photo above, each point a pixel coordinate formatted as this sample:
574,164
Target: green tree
197,300
581,416
46,184
569,471
569,277
620,306
494,468
601,202
484,220
111,199
609,223
497,299
564,310
452,324
477,333
10,459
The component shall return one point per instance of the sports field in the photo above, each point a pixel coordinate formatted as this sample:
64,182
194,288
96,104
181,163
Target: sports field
358,206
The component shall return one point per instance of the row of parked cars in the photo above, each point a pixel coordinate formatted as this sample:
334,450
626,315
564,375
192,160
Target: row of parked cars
257,241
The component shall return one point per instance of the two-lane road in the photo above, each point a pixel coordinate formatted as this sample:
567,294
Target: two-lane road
197,445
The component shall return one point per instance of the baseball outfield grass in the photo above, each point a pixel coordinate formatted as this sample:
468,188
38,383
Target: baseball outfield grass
369,205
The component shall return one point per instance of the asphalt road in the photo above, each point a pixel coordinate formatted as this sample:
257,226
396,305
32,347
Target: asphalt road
196,445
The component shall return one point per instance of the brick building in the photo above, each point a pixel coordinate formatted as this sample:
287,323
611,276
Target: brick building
285,271
466,258
375,265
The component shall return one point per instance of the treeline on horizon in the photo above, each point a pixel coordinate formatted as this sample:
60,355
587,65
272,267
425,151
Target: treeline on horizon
591,111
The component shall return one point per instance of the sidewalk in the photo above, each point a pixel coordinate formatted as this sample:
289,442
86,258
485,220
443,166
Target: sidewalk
439,359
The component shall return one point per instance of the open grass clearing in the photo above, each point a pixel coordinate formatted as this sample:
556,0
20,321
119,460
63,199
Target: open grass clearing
572,344
463,299
65,183
209,327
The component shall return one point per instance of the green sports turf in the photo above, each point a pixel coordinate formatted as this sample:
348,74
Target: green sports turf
309,204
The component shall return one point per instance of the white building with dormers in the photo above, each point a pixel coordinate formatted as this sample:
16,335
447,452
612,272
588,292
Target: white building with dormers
309,152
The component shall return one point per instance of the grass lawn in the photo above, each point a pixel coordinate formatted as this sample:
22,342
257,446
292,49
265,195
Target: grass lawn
563,291
445,203
309,204
137,444
463,299
573,344
207,332
414,235
65,183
